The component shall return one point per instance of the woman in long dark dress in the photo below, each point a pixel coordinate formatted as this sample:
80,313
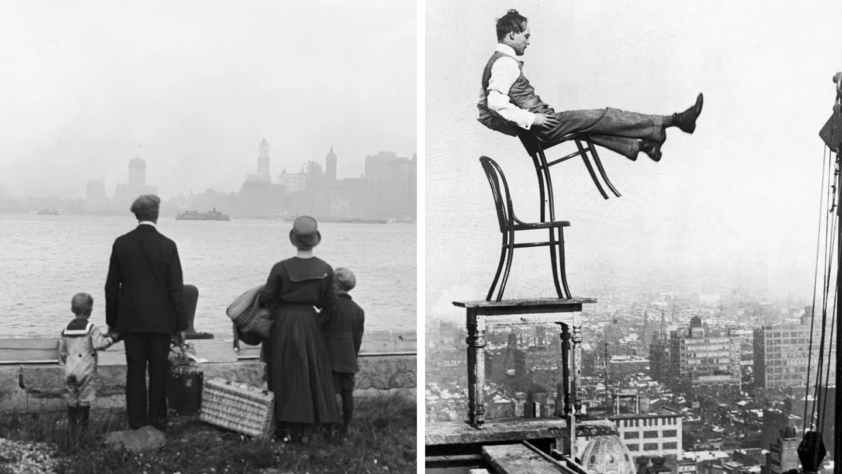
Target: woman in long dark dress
298,363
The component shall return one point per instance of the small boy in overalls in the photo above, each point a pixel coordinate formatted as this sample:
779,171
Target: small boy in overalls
343,334
78,346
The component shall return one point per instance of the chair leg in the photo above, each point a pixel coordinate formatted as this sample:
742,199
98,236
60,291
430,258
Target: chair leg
598,162
537,164
553,263
549,180
562,263
590,169
499,269
511,252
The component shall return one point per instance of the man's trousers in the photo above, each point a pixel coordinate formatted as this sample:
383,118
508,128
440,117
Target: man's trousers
615,129
146,350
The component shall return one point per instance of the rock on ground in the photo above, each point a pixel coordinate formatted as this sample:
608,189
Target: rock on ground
26,457
137,440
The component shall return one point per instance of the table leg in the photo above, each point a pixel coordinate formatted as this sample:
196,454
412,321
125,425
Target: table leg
476,368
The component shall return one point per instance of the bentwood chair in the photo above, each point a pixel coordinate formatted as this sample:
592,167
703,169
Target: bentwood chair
509,224
535,147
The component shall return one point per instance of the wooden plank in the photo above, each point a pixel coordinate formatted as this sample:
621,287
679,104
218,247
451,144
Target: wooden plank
517,459
514,319
511,429
525,306
453,459
45,349
42,349
378,342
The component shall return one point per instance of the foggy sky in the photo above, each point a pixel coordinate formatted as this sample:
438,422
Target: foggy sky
733,206
193,86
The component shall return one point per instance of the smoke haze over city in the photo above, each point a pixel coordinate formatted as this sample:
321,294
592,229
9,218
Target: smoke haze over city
192,88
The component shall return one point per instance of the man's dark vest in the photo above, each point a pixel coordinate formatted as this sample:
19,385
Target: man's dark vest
521,94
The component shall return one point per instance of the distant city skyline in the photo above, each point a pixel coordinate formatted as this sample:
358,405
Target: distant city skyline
168,84
273,169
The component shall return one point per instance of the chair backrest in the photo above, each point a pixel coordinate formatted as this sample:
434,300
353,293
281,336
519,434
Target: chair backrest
500,192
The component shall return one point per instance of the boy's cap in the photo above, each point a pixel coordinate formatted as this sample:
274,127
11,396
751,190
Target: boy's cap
345,279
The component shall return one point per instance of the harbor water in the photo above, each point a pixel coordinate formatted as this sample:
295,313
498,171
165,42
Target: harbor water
46,259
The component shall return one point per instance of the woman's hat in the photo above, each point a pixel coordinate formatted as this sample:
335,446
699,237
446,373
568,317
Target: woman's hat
305,233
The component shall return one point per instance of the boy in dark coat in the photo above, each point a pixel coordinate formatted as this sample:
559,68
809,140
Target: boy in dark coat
343,333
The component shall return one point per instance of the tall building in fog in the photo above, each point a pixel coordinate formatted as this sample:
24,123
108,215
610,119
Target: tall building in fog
391,184
126,193
262,175
95,195
706,362
315,176
781,353
263,161
137,171
330,165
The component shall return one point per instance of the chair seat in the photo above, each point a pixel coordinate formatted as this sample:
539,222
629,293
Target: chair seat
533,143
541,225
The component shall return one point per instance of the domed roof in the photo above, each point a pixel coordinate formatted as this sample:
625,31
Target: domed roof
607,455
331,154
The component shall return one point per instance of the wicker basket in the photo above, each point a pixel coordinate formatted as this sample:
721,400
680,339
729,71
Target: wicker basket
238,407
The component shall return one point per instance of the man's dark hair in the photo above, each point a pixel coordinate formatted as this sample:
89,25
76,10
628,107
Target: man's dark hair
147,215
510,22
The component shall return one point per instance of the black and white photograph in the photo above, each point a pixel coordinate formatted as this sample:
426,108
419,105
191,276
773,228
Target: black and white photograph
632,239
208,234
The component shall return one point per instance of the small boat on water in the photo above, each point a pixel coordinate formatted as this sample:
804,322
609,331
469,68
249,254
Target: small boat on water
212,215
48,212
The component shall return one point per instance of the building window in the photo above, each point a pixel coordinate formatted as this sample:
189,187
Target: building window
633,447
670,433
650,447
650,434
631,435
670,445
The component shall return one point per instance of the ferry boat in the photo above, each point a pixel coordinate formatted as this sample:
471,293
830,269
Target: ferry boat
48,212
212,215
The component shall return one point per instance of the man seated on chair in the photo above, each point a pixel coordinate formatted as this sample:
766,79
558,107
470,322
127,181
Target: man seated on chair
509,104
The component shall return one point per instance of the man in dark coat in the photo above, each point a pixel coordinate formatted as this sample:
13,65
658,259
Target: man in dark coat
144,301
343,333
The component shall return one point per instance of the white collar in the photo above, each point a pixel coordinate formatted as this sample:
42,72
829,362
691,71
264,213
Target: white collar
148,223
506,49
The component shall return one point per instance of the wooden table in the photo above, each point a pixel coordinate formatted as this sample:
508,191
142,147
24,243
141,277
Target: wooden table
564,312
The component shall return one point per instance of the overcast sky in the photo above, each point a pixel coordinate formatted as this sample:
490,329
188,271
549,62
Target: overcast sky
193,86
733,206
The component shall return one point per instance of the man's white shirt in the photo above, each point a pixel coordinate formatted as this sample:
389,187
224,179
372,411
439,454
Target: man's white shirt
504,72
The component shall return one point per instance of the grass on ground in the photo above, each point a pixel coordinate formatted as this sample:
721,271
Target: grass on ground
382,439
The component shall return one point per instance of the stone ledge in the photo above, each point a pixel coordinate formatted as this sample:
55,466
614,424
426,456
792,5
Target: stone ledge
41,387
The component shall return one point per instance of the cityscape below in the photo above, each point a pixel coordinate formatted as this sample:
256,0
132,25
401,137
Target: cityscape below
701,383
386,190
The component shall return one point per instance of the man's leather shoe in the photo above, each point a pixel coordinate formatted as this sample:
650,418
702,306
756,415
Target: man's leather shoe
686,121
652,149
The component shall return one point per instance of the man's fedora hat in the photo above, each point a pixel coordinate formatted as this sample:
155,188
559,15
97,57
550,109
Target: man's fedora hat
305,233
